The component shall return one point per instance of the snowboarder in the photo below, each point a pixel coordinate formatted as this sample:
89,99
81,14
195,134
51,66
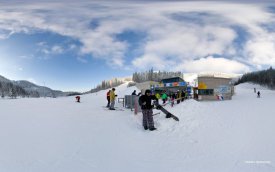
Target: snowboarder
112,99
108,98
77,99
258,94
254,90
147,110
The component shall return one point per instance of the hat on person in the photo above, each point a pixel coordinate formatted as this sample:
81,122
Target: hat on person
148,91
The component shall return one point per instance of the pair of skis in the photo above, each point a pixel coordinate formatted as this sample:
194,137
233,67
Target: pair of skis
167,113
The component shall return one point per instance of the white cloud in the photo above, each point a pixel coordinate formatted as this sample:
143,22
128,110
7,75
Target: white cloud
26,57
192,42
82,60
150,60
211,64
169,41
261,51
56,49
41,44
48,50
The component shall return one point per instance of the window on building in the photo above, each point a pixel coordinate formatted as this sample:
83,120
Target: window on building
206,91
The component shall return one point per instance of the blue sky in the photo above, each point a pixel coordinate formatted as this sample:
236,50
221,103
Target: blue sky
77,45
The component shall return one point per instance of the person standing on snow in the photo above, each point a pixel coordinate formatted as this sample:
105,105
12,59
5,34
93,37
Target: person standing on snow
108,98
112,99
134,93
157,95
145,101
164,97
258,94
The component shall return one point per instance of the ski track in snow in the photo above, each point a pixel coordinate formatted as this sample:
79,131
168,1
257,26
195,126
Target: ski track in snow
61,135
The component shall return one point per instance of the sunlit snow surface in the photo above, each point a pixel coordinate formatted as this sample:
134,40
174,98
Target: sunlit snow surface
60,135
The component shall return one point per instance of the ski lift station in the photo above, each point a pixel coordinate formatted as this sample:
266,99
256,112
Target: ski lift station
214,87
171,85
207,87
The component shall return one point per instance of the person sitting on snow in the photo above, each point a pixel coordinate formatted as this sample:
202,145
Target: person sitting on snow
77,99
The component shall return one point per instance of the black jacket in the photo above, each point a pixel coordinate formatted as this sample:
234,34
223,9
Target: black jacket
148,100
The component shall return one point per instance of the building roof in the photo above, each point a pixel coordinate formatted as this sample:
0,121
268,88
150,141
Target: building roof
217,75
172,79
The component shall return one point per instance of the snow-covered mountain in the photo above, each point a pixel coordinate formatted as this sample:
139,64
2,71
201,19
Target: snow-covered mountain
3,79
43,91
31,87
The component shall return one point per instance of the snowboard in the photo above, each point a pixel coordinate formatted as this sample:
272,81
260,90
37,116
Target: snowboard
168,114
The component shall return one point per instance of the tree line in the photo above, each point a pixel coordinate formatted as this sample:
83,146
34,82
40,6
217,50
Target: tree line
8,89
150,75
263,77
106,84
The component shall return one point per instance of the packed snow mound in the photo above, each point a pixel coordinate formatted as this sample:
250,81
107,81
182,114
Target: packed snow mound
60,134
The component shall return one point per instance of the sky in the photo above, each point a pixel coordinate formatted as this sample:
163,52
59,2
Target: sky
74,45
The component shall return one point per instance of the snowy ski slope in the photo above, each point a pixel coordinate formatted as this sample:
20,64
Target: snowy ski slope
60,135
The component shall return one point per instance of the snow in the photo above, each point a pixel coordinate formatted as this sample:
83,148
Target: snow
46,135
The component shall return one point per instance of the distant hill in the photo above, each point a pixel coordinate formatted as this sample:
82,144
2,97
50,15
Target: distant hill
43,91
3,79
26,88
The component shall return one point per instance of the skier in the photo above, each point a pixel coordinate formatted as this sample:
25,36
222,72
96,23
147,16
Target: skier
108,98
147,110
258,94
77,99
112,99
